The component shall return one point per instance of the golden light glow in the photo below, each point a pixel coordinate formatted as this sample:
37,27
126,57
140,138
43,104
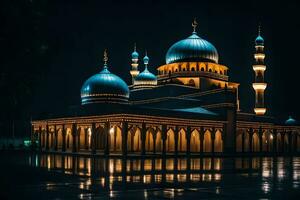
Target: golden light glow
111,130
260,111
259,67
259,56
259,86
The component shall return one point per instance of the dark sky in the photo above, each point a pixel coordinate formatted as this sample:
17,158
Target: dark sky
51,47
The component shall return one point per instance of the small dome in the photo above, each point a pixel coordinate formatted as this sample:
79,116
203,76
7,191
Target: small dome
259,40
146,76
192,49
146,60
290,121
135,55
104,87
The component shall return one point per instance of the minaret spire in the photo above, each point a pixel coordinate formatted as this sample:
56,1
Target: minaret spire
259,68
134,65
146,60
105,58
194,25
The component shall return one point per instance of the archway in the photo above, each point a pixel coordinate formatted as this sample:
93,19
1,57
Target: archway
255,143
207,141
149,140
246,142
100,138
59,139
158,142
286,142
69,139
170,141
278,143
82,138
218,143
181,140
115,139
239,141
195,141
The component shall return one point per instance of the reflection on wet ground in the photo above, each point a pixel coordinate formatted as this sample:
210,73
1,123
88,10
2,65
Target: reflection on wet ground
157,178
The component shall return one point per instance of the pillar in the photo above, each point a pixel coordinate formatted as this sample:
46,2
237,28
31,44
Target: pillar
201,139
176,135
260,133
73,133
86,138
282,142
188,140
78,138
212,135
154,143
40,138
64,138
164,135
47,137
250,140
143,138
275,150
290,141
106,133
124,137
243,141
93,138
56,138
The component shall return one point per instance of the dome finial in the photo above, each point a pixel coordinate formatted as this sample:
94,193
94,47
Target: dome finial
146,60
194,25
105,58
134,46
259,29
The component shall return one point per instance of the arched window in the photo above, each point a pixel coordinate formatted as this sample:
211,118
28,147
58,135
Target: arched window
210,70
202,69
193,69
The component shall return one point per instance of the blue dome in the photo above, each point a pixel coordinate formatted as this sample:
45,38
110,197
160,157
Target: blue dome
192,49
135,55
259,40
146,76
290,121
104,87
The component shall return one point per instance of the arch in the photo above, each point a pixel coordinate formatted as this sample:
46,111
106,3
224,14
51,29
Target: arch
134,140
210,70
181,140
82,138
115,139
195,141
59,139
192,69
267,141
278,143
207,142
191,82
170,141
149,140
255,143
100,138
158,142
69,139
246,141
298,142
218,143
286,142
239,141
202,69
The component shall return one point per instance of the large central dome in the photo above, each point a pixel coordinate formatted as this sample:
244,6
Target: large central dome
193,49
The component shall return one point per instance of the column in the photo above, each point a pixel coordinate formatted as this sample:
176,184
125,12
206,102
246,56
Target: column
275,150
78,138
201,132
154,143
164,135
176,135
282,142
106,133
243,141
250,140
188,140
93,138
40,138
56,138
124,137
64,138
290,141
260,133
143,137
86,145
212,135
47,137
73,133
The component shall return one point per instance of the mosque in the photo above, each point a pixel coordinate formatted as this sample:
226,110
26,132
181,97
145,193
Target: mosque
189,108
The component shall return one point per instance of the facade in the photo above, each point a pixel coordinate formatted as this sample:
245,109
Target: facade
189,108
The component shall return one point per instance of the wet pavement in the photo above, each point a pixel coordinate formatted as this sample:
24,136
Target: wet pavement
49,176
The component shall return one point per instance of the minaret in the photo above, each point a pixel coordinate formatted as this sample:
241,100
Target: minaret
134,65
259,68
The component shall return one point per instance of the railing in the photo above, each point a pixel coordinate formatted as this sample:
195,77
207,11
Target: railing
193,74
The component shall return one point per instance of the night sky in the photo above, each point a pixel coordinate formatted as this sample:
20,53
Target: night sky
49,48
